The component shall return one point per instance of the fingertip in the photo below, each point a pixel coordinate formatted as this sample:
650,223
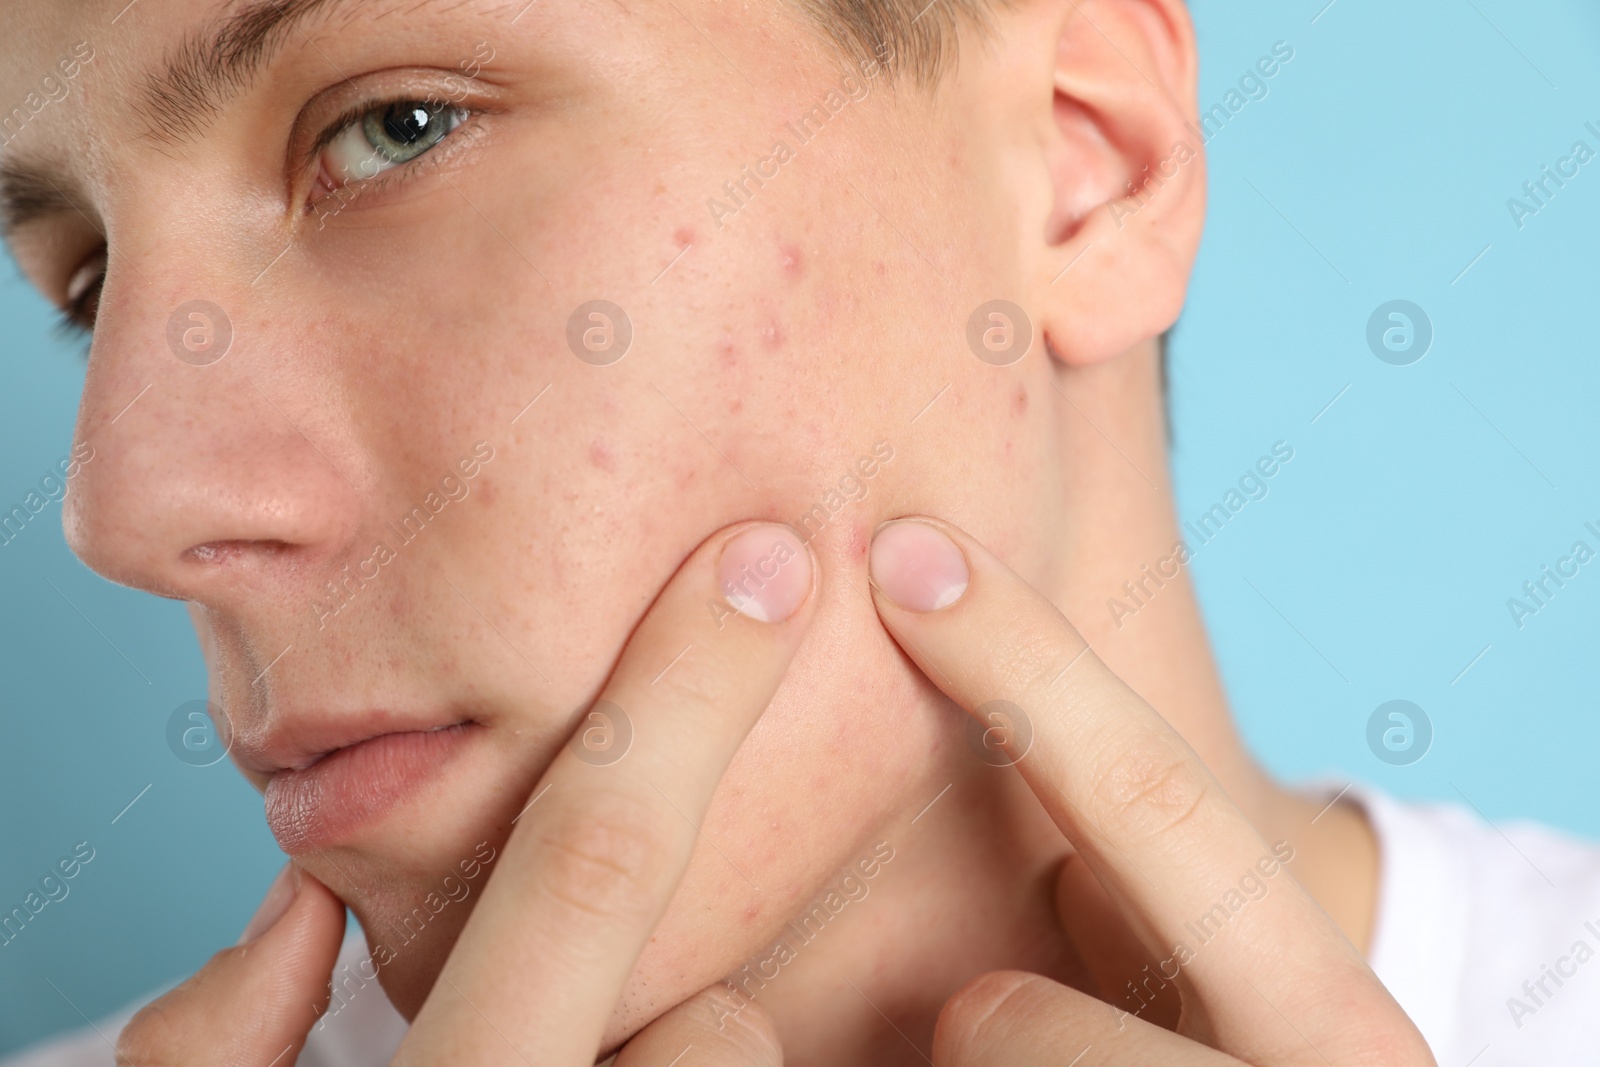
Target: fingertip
280,894
291,885
256,1000
766,572
917,566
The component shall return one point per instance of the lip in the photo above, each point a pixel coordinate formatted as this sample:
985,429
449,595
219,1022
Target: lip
314,806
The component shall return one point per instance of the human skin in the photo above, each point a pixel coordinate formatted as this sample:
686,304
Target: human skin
377,340
1159,847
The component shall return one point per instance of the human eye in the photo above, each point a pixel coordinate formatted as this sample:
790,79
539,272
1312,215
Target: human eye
77,312
373,139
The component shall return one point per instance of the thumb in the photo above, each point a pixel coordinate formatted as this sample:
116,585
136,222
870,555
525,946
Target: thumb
251,1005
1130,979
721,1033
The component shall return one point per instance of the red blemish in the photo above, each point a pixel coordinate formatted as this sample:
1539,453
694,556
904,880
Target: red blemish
728,352
793,263
856,545
684,235
601,456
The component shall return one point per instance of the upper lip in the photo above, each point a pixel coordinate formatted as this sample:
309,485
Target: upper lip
295,742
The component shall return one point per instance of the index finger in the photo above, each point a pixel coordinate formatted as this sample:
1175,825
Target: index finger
596,855
1128,792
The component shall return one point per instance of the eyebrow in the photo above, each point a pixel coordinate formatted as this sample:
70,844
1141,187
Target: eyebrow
213,63
206,68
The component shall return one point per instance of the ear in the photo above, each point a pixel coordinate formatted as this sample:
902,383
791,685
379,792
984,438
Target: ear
1110,113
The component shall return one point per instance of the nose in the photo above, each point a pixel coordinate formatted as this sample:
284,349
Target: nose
218,466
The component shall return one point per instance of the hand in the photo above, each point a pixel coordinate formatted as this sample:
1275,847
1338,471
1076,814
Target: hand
581,883
1262,975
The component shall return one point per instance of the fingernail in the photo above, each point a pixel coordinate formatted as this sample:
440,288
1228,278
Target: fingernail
765,572
274,904
917,566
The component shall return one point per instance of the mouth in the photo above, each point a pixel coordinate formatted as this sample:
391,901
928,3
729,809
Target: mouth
340,790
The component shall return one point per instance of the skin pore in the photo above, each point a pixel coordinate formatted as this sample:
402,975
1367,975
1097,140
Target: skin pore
382,333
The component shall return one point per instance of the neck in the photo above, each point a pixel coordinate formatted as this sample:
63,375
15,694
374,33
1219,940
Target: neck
971,885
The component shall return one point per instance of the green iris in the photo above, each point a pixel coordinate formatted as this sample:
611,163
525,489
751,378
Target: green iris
402,131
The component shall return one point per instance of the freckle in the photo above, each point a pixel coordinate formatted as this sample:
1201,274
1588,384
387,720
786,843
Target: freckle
1019,406
772,335
684,235
792,262
601,456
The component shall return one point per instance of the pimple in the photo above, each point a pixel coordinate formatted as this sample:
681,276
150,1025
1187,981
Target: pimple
792,261
600,455
772,335
860,538
728,352
684,235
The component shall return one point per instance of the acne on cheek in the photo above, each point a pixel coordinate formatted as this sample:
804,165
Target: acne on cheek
601,456
772,335
728,352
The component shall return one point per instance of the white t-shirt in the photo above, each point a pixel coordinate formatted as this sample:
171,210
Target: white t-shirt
1488,936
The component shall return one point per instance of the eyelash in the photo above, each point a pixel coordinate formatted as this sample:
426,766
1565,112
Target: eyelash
76,319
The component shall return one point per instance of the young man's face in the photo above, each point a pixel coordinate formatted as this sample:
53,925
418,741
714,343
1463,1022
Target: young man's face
430,481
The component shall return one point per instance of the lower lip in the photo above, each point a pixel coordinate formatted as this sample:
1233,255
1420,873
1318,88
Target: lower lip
348,788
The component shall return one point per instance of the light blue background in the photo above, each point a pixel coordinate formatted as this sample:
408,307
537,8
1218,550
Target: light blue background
1378,167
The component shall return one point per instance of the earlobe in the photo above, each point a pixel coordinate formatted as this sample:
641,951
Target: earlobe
1127,174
